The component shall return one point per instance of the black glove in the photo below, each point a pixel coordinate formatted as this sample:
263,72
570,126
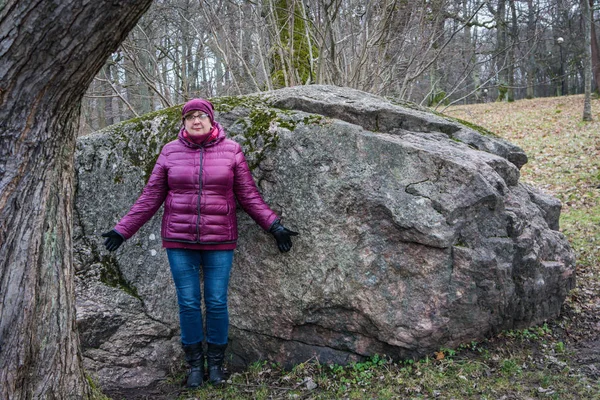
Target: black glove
283,236
113,240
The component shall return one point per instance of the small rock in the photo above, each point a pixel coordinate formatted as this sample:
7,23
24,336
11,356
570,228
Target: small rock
310,384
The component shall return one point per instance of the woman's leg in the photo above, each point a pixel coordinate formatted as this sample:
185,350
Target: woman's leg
185,269
216,266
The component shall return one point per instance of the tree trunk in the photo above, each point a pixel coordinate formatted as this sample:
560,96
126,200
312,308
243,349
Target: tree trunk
51,51
108,113
514,39
595,49
587,62
500,53
532,42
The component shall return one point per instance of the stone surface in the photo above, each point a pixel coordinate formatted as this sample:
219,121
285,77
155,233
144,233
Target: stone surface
415,234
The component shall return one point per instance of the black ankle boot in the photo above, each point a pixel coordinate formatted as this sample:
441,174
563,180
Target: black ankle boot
194,356
214,359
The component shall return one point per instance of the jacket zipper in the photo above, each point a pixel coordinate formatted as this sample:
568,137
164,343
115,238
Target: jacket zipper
199,195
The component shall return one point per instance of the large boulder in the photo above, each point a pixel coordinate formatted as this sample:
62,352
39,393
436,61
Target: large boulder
415,234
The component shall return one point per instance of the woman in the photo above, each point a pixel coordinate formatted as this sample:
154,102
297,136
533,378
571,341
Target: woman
199,176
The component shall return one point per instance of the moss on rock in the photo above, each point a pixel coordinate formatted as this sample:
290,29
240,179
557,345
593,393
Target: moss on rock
140,139
477,128
111,275
226,104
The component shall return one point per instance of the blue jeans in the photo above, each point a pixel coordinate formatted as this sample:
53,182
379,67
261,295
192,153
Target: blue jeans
185,269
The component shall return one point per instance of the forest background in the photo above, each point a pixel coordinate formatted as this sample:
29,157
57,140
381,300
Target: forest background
431,52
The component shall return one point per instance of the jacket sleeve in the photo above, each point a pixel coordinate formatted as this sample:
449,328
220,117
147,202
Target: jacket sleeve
247,193
148,203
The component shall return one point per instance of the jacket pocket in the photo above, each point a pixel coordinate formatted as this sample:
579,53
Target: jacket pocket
166,222
232,220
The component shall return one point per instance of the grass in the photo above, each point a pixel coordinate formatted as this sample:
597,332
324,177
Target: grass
540,362
523,369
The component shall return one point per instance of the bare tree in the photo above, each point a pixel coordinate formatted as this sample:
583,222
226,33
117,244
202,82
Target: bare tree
429,52
47,64
532,40
595,48
587,21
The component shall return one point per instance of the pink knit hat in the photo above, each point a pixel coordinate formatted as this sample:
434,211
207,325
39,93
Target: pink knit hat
199,105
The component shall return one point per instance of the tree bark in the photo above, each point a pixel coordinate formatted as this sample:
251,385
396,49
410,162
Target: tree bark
50,52
514,39
587,62
532,41
500,53
109,113
595,49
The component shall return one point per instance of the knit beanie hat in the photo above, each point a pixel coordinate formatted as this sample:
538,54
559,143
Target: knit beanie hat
199,105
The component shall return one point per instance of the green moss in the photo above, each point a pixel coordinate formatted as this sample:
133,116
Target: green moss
111,275
171,113
261,120
502,92
313,120
141,142
278,77
438,98
96,393
259,135
287,124
296,48
140,139
407,104
226,104
260,125
475,127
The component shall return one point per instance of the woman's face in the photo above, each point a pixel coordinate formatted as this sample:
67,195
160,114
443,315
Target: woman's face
197,123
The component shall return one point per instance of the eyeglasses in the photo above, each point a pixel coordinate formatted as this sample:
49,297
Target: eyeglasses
193,117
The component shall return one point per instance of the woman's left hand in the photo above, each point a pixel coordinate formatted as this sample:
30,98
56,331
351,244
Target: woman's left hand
283,236
113,240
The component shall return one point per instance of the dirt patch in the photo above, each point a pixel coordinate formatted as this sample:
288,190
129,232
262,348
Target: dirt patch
159,391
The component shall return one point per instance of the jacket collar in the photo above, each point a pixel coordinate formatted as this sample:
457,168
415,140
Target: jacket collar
220,137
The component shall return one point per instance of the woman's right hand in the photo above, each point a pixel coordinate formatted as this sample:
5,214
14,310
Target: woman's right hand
113,240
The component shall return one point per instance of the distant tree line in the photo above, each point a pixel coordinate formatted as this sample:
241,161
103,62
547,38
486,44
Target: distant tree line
432,52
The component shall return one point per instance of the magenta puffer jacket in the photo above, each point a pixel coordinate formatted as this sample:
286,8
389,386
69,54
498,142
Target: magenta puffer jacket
199,186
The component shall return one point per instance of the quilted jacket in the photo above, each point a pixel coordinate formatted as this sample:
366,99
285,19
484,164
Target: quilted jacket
199,185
